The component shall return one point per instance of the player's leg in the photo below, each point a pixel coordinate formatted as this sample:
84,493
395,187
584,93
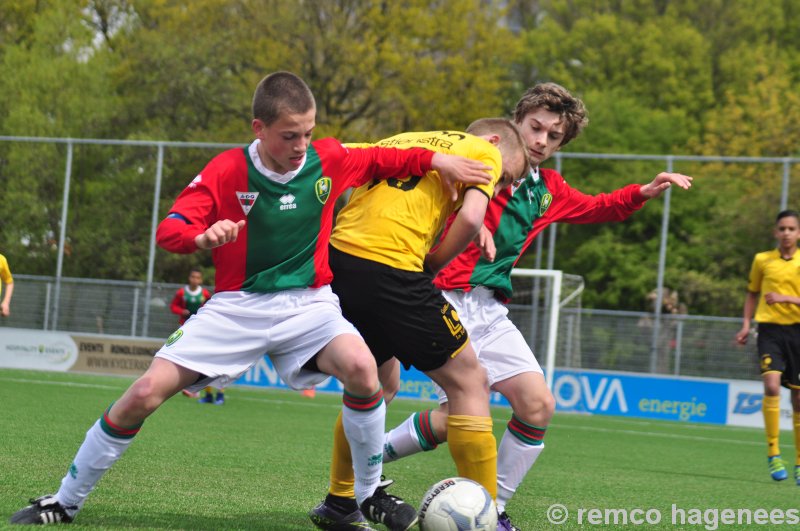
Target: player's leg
514,372
771,346
338,510
771,410
194,350
106,441
469,424
362,421
522,442
422,431
364,413
389,376
796,425
208,395
791,378
220,398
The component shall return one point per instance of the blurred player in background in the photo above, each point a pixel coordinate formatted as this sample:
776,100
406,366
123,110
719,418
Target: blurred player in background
8,287
191,297
383,276
266,210
773,293
185,303
478,283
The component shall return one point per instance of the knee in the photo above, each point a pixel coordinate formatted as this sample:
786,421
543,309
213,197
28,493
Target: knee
139,401
361,372
537,408
548,402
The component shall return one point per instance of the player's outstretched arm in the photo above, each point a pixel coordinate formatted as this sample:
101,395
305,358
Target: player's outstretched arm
455,168
663,181
220,233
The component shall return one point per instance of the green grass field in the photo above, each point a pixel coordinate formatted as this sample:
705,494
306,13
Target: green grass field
261,461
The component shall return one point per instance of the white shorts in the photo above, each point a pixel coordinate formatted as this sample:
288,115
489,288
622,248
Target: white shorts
234,329
501,348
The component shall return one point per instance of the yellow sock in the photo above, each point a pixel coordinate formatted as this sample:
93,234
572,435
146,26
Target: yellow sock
342,481
772,423
796,422
474,449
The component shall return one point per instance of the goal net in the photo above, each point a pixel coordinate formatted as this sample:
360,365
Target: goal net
545,307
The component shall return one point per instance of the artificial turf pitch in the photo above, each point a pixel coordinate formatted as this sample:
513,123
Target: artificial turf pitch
261,462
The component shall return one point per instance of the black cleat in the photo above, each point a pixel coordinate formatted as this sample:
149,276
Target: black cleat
325,516
43,511
389,510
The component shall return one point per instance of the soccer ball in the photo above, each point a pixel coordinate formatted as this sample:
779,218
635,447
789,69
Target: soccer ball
457,504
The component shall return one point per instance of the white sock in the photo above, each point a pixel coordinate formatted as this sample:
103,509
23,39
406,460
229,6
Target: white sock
514,459
96,455
401,441
364,431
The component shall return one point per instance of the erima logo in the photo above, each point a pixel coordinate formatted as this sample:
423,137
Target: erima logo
195,181
287,202
246,200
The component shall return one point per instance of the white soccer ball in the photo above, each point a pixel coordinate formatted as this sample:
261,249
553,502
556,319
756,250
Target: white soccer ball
457,504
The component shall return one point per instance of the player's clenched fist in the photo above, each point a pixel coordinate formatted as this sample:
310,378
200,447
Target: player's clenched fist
220,233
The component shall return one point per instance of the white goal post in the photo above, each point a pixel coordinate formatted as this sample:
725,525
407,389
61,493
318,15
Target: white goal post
543,293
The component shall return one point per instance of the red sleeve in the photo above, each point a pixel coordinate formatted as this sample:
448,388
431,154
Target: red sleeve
177,236
573,206
196,207
206,294
178,304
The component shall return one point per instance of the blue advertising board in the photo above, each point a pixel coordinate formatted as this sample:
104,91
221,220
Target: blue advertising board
578,391
643,396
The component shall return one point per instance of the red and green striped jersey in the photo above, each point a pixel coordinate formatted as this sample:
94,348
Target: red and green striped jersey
518,213
284,244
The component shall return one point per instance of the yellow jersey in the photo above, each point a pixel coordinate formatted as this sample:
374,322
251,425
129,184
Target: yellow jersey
395,221
5,272
771,273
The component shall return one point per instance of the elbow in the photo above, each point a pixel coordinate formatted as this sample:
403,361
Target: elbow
472,222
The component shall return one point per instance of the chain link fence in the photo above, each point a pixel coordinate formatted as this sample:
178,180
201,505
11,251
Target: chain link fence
688,345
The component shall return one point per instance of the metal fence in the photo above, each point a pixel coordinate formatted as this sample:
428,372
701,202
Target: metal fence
115,307
153,163
688,345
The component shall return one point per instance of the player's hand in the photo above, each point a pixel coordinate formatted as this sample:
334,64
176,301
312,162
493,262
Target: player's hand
220,233
774,298
485,242
5,309
455,168
663,181
742,335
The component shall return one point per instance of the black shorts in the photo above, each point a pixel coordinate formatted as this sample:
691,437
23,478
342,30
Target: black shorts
779,351
400,313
